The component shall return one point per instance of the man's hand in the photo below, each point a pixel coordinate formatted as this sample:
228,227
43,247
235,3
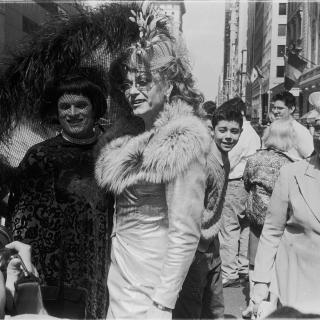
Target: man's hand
20,265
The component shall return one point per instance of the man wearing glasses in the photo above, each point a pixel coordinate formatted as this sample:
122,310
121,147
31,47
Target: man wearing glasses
283,108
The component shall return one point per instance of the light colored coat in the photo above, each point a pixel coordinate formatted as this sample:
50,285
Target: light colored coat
290,239
158,178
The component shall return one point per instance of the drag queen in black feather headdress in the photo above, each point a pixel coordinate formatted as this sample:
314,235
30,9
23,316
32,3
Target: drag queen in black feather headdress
55,205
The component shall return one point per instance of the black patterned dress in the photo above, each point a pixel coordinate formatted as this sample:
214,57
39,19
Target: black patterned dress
57,208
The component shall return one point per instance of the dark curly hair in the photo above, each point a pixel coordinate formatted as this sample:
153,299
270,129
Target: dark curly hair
229,111
72,84
287,98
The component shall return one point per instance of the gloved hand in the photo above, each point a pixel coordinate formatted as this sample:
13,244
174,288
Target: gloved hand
260,293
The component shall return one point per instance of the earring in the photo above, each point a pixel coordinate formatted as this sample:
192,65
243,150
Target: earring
168,93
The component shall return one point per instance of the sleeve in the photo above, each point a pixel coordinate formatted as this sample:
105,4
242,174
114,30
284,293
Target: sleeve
273,229
26,195
185,198
305,143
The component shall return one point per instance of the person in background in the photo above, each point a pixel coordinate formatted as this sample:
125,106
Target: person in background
234,232
158,176
288,255
201,295
208,108
57,208
260,174
283,107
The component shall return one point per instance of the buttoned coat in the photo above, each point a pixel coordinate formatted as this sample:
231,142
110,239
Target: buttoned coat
290,239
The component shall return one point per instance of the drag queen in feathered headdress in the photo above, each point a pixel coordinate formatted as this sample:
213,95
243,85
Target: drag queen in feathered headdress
158,176
55,205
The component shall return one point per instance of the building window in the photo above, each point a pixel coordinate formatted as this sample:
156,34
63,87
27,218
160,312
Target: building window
280,50
282,29
280,71
282,9
29,26
49,6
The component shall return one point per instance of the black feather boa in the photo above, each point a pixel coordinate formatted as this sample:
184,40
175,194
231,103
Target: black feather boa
60,47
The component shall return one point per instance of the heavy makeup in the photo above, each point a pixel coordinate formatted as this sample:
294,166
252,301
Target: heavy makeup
76,115
145,94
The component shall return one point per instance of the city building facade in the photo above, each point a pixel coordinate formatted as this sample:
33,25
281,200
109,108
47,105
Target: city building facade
235,47
272,29
226,54
175,10
309,24
266,48
19,19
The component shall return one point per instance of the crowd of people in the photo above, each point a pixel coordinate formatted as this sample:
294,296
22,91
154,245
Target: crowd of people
151,216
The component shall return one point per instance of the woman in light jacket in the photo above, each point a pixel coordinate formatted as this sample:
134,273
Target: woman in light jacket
288,255
158,178
260,174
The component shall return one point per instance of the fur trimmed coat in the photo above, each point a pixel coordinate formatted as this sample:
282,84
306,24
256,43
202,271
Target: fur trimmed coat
159,176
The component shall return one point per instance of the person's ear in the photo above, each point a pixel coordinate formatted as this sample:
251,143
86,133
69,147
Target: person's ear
292,109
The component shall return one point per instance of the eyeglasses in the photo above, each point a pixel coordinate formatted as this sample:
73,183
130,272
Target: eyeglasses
142,86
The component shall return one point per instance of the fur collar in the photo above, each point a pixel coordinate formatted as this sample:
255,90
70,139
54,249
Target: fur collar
156,156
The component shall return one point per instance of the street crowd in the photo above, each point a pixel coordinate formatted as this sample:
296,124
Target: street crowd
149,201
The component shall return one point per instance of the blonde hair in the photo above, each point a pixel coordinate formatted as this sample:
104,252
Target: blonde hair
279,135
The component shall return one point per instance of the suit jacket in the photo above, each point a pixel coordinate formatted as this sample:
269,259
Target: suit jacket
290,240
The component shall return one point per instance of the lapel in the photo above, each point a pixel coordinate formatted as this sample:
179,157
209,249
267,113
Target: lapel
308,179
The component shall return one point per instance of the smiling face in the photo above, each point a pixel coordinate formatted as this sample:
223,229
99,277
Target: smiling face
226,134
280,111
76,115
144,95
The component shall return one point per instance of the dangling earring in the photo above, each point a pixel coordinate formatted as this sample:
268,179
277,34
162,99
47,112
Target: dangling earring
168,93
166,97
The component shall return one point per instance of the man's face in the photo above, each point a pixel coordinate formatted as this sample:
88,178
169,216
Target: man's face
280,111
76,115
145,95
226,134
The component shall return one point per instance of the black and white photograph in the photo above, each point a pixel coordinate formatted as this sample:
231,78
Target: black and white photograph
159,159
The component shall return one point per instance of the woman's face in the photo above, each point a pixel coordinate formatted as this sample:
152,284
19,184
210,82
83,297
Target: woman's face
143,94
316,137
76,115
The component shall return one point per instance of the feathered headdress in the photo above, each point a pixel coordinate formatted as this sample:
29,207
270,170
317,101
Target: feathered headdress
60,47
154,48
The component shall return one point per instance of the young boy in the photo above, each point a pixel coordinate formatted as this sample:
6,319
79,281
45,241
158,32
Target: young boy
201,295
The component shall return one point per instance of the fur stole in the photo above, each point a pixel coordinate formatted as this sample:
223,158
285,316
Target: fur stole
156,156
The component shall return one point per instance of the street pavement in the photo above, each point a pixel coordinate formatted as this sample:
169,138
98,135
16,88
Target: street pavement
236,300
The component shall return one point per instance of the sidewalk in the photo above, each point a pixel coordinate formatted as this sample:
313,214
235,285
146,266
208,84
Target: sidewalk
235,300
